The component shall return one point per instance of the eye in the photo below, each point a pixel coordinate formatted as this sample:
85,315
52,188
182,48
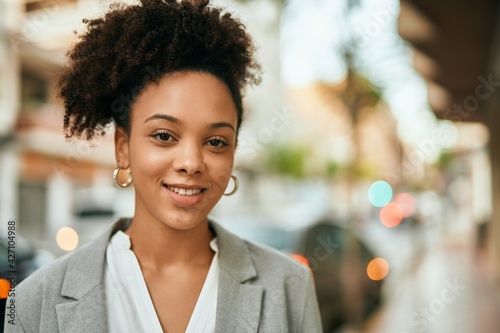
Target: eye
217,143
162,136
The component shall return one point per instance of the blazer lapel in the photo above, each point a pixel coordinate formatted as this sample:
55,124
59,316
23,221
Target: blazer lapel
85,315
83,287
238,304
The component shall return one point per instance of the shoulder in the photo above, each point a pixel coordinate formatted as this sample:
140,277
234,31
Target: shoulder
74,272
29,296
289,299
270,265
273,263
288,285
52,274
38,278
47,280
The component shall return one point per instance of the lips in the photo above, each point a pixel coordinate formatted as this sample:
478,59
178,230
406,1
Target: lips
185,195
184,191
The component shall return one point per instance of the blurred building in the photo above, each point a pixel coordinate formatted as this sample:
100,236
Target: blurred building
46,181
436,66
456,50
439,78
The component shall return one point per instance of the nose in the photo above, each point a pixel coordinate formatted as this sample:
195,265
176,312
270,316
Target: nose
189,159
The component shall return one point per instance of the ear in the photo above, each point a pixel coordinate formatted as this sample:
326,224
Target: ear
122,148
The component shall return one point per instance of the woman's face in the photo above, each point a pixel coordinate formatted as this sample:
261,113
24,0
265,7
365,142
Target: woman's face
180,149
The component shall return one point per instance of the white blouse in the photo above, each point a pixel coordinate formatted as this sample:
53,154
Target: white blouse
129,306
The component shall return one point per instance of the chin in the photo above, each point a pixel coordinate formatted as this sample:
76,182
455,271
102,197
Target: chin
183,221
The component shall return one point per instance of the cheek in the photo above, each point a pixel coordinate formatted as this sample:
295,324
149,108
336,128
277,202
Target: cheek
147,159
220,171
221,178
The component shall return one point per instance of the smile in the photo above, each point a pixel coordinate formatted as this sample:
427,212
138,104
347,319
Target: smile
184,191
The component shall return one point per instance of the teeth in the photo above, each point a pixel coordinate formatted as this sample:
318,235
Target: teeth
183,191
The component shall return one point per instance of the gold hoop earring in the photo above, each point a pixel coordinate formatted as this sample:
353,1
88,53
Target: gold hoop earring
235,188
123,185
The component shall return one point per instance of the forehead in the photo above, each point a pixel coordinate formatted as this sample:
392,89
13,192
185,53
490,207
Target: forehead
188,96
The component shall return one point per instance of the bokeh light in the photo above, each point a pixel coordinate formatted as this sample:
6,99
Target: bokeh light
380,193
377,269
406,202
4,288
67,238
300,258
391,215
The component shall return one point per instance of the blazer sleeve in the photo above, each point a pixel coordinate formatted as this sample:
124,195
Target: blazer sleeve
310,320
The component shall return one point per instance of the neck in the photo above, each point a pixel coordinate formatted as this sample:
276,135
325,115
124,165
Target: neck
156,245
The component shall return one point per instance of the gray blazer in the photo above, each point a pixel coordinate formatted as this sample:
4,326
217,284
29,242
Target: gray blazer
260,290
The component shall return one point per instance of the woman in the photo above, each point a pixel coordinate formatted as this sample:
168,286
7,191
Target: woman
170,76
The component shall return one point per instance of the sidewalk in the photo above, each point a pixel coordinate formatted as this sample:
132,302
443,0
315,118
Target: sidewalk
445,291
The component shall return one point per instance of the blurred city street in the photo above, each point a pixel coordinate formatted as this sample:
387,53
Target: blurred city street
444,285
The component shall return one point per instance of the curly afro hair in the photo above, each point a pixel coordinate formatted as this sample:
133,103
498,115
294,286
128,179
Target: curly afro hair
132,46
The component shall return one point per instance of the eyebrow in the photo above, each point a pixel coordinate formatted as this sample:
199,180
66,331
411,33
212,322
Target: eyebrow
221,124
164,117
179,122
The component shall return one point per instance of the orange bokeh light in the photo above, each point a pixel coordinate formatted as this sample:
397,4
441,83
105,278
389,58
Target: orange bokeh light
406,202
4,288
300,258
377,269
391,215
